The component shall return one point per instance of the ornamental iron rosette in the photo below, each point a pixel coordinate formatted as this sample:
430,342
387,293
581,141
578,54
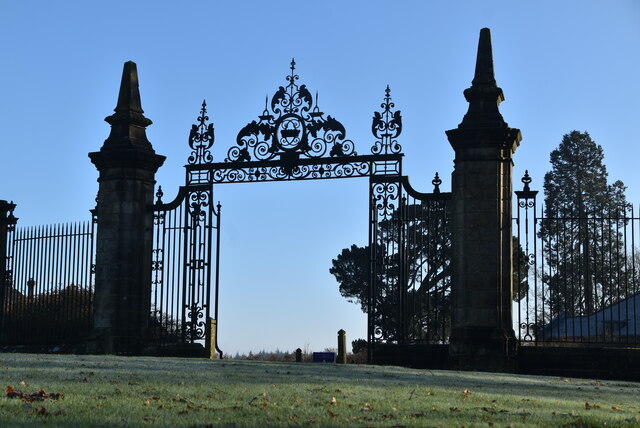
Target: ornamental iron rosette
289,128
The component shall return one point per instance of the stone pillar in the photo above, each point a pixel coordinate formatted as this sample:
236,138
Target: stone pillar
7,222
482,336
127,164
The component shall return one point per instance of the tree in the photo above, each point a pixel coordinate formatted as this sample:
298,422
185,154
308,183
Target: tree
581,231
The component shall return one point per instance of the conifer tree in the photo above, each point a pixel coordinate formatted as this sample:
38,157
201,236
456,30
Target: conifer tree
581,231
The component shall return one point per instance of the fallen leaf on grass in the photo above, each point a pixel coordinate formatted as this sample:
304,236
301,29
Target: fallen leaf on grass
453,409
42,411
334,402
23,383
465,393
590,406
616,408
331,414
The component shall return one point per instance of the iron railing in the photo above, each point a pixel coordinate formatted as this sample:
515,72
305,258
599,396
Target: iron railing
48,293
581,282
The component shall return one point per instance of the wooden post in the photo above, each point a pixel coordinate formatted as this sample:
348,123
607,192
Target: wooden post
342,347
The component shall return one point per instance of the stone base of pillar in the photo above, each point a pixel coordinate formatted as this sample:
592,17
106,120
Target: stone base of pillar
104,341
483,349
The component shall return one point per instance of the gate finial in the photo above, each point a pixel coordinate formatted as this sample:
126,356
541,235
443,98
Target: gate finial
484,95
484,75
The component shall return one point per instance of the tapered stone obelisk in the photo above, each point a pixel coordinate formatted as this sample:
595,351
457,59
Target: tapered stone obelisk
482,336
127,164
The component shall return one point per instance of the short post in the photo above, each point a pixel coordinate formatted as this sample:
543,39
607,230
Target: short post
298,355
211,333
342,347
31,285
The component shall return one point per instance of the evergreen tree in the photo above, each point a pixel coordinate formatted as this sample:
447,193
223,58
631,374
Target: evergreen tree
581,231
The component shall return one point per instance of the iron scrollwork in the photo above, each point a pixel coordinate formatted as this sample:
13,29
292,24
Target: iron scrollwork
292,126
295,172
386,127
201,139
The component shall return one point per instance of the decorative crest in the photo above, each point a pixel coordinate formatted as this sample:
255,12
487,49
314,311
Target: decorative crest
201,139
386,127
290,127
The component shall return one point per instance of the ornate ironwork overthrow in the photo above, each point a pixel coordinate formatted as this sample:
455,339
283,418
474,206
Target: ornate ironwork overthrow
201,139
386,127
292,126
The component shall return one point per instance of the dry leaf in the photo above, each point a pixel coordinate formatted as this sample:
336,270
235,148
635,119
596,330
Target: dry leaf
331,414
23,383
42,411
147,402
615,408
591,406
334,402
465,393
453,409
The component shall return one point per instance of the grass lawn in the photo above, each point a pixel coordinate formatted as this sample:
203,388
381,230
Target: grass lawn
141,391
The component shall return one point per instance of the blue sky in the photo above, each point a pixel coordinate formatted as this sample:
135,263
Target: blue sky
562,65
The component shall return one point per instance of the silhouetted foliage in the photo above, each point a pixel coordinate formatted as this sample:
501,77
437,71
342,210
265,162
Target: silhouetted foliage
358,345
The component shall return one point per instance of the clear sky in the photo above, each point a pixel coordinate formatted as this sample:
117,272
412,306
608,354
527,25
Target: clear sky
563,65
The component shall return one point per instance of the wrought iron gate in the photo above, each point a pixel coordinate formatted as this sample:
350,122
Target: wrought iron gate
294,140
410,263
183,251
